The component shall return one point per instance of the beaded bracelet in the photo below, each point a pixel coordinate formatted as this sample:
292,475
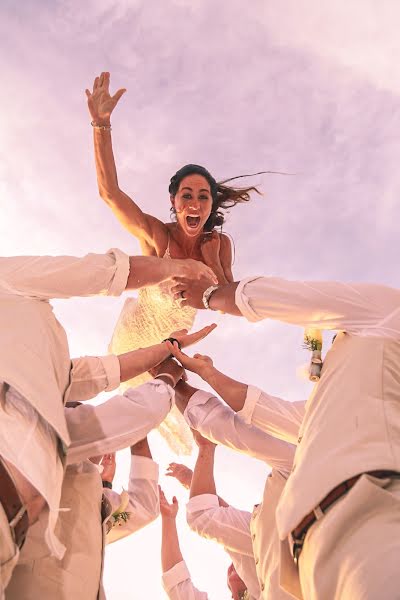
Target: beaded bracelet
102,127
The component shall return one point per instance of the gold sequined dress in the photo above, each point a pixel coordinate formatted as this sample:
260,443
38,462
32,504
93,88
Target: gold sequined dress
143,322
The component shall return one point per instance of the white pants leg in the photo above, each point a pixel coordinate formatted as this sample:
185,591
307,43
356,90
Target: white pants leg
353,551
9,553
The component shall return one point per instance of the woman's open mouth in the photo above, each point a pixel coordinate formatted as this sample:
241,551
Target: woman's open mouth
192,221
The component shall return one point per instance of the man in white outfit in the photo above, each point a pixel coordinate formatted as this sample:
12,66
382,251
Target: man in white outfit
37,378
88,521
339,513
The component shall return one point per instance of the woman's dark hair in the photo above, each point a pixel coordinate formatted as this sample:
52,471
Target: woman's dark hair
223,196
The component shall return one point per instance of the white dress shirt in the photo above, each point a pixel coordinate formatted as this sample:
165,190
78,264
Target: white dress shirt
219,423
178,584
363,309
277,417
229,527
352,419
144,499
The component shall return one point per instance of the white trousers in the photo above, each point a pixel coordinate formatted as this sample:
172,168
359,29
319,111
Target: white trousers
353,551
9,553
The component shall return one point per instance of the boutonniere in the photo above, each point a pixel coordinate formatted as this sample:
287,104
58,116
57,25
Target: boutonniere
313,342
121,516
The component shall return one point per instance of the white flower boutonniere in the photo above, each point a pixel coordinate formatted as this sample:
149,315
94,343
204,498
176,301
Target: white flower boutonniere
121,516
313,342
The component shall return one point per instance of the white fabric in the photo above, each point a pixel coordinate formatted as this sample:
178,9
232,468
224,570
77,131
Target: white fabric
277,417
144,500
222,425
29,443
34,354
119,422
359,308
178,585
352,420
80,527
143,322
229,527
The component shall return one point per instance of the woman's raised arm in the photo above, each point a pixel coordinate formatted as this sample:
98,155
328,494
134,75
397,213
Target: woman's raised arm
146,228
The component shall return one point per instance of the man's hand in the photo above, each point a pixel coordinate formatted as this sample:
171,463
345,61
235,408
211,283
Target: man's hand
109,465
170,367
192,270
190,292
199,364
168,511
201,441
181,472
100,103
187,339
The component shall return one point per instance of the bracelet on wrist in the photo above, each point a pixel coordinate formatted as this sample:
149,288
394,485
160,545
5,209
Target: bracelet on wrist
172,340
102,127
207,295
107,484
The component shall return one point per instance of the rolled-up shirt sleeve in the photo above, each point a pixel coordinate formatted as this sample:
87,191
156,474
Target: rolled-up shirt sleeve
47,277
275,416
144,502
225,525
119,422
91,375
219,423
358,308
178,584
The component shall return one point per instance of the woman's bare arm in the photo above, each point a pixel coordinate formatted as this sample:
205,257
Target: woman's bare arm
150,231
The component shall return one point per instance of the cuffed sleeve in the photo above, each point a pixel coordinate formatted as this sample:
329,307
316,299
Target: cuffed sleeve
144,502
275,416
119,422
48,277
358,308
178,584
91,375
225,525
219,423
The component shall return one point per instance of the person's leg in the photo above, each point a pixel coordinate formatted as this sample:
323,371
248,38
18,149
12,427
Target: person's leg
9,552
353,551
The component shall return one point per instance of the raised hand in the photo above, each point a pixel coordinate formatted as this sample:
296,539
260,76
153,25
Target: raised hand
187,339
109,465
191,269
181,472
100,102
168,510
199,363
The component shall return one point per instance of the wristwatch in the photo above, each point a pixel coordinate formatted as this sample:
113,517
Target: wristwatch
207,295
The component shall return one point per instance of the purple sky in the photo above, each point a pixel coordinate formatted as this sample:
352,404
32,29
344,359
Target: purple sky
305,87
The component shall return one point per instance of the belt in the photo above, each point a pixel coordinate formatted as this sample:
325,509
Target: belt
15,511
298,535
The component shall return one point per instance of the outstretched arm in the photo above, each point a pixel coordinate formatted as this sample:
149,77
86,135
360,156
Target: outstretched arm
176,577
151,232
274,416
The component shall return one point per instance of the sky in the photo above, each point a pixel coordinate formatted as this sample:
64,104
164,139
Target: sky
306,87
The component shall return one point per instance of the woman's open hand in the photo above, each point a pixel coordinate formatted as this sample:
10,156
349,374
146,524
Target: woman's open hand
100,103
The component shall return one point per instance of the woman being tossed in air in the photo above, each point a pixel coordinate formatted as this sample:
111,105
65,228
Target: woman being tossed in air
197,201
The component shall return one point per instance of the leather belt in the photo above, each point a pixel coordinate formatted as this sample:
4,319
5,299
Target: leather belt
298,535
15,511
